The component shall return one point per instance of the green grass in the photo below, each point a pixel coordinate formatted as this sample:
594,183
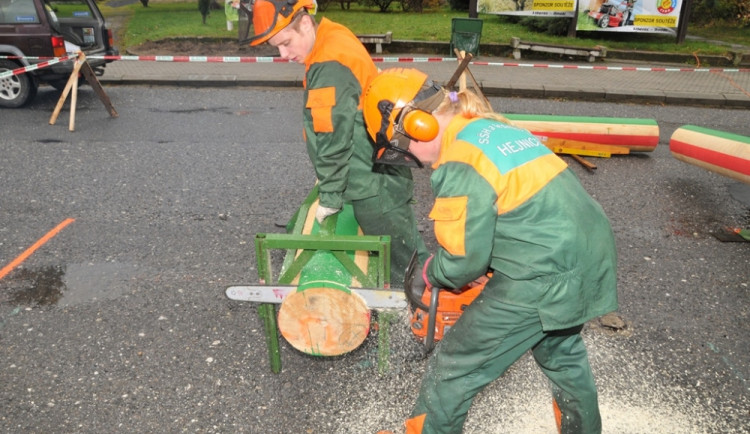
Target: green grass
724,32
170,19
181,18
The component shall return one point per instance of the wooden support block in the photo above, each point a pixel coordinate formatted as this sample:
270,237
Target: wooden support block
585,148
582,162
571,151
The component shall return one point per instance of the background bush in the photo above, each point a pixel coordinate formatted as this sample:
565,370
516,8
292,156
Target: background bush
706,12
459,5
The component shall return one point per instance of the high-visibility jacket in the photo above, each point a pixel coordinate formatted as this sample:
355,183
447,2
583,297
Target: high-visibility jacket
506,203
337,71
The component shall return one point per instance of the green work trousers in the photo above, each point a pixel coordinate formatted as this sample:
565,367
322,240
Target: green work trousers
400,224
488,338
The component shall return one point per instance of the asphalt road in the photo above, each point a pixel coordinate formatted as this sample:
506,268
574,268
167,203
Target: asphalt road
119,322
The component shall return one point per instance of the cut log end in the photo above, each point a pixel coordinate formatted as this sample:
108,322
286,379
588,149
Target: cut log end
324,321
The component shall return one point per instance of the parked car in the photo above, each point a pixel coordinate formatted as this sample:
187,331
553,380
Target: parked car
48,28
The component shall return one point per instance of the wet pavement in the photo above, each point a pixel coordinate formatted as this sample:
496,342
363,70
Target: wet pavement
119,323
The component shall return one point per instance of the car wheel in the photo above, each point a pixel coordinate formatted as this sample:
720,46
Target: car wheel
16,90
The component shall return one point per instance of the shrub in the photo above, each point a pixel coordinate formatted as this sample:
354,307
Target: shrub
459,5
382,5
419,5
732,11
550,26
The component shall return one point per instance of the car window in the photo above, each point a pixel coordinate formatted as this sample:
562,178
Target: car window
71,9
18,12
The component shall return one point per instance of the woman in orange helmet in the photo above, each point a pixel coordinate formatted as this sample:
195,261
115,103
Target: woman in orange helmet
505,204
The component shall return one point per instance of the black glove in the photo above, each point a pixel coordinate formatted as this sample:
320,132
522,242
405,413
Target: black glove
414,282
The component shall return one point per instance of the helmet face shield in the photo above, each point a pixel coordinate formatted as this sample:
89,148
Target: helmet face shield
396,156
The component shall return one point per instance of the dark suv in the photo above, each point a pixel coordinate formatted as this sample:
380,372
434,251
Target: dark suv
48,28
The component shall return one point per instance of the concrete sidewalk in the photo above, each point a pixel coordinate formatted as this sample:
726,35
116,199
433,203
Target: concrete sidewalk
601,81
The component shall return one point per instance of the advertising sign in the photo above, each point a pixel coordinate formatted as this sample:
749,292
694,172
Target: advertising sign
642,16
544,8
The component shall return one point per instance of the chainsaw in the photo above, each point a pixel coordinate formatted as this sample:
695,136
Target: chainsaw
436,310
432,312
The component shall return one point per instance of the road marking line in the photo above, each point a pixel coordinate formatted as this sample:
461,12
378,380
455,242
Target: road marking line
28,252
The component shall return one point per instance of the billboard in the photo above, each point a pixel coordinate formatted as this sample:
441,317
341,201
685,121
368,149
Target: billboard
641,16
638,16
543,8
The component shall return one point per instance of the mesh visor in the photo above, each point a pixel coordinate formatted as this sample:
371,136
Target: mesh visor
429,98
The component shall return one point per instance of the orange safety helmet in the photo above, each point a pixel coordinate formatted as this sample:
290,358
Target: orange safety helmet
270,16
397,108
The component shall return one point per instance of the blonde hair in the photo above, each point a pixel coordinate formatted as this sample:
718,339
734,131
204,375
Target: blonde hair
470,105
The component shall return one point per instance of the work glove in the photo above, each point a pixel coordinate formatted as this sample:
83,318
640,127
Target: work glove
323,211
424,281
415,281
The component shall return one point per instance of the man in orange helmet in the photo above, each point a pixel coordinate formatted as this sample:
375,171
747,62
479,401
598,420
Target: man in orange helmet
337,70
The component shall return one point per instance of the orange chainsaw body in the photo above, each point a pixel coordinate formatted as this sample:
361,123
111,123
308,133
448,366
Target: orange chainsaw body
451,304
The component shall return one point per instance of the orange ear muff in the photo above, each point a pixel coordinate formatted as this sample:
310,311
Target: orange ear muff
420,125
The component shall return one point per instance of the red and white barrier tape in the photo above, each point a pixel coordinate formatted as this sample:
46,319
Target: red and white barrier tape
231,59
40,65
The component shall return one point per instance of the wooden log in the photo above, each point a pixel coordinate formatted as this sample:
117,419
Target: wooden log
638,135
725,153
323,317
324,321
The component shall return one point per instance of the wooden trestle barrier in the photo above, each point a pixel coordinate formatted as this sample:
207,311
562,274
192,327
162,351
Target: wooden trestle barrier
71,87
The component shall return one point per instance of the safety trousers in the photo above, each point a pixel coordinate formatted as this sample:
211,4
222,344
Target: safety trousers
488,338
401,224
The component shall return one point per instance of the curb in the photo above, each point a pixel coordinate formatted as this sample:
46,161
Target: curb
541,90
733,59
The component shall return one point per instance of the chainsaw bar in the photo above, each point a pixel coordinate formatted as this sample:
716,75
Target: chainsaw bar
375,298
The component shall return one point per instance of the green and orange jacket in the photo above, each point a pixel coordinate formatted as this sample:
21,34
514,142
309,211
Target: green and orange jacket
337,71
506,203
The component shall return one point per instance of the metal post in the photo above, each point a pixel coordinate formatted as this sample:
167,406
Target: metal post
684,18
